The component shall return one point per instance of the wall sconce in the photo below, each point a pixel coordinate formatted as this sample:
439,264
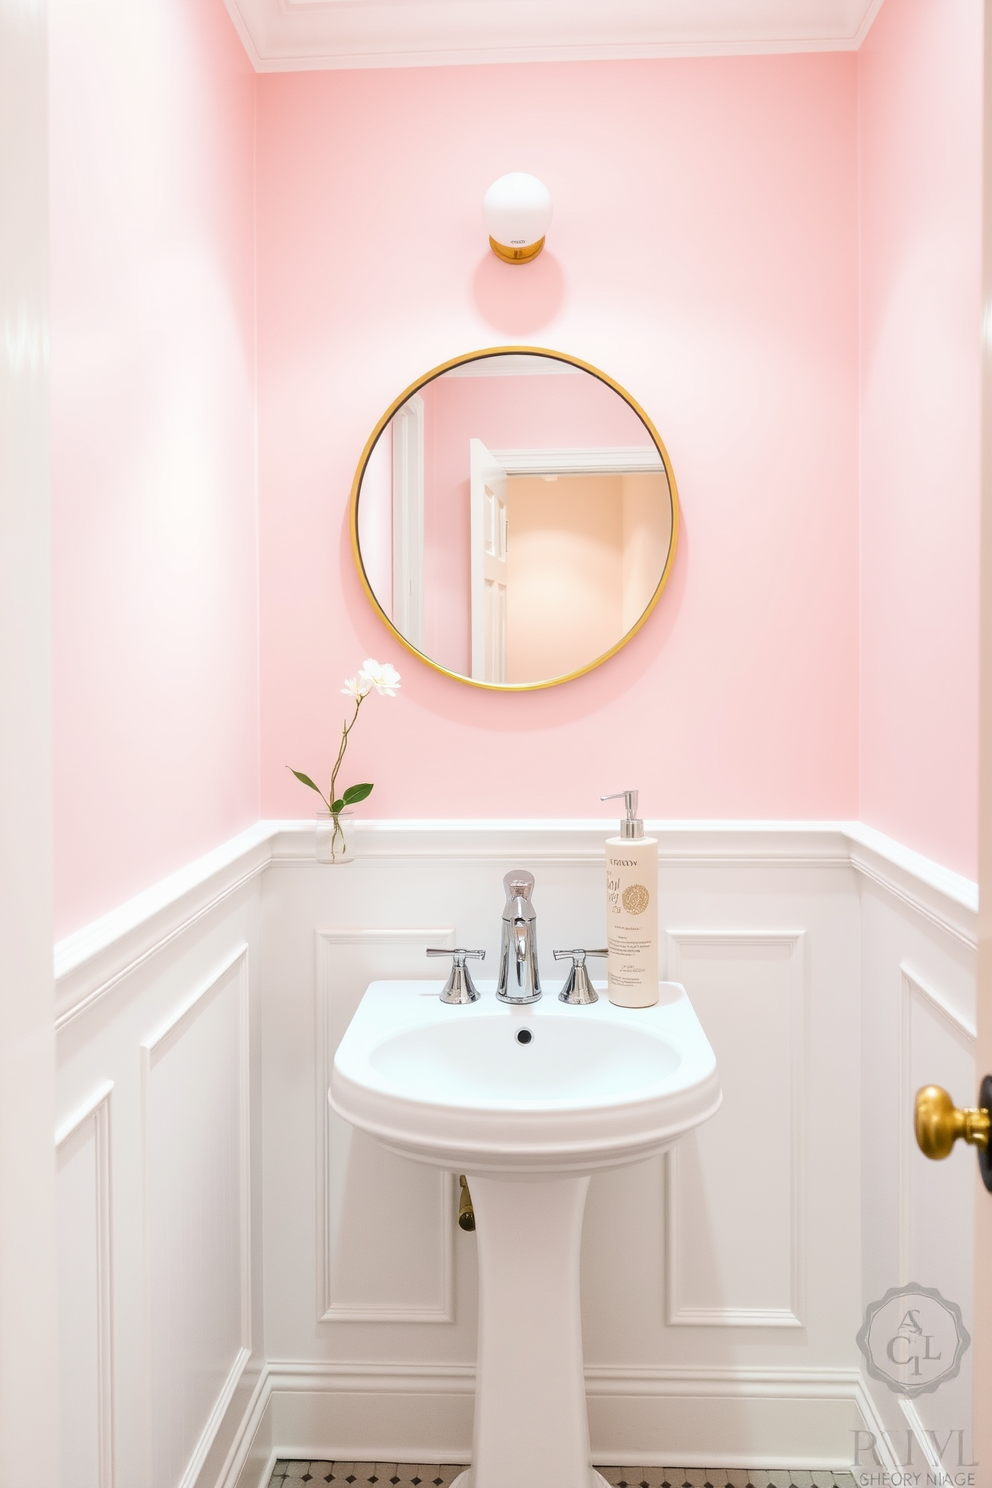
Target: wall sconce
517,211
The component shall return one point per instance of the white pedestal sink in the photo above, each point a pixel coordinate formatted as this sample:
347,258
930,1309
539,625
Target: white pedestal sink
528,1102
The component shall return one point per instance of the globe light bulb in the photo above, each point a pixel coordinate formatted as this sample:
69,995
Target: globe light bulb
517,211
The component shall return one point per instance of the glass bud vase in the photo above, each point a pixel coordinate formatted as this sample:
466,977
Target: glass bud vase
335,836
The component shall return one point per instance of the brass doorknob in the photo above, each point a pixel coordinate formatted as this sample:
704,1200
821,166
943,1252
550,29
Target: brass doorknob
939,1123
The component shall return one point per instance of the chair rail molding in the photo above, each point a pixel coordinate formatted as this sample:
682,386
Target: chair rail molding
91,961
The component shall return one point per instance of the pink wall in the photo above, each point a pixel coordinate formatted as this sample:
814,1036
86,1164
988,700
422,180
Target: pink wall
704,253
505,413
921,105
155,621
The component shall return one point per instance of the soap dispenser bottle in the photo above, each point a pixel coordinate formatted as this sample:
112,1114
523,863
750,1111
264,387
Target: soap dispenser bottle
632,910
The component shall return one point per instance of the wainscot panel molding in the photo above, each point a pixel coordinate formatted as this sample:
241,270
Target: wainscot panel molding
195,1104
917,1028
86,1323
159,1082
745,1169
723,1287
375,1269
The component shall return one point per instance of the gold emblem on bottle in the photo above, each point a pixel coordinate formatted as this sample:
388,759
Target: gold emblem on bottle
635,899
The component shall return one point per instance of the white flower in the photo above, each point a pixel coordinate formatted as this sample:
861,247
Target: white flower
381,675
356,687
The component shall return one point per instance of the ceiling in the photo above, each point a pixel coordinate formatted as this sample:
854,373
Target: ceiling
293,35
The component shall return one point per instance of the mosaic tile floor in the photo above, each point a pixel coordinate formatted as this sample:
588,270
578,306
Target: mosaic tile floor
430,1475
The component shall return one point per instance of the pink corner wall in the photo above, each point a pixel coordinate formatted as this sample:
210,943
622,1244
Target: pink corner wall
921,104
153,485
704,253
777,256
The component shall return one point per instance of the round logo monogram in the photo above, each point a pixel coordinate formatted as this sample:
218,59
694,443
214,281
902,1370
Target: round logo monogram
913,1339
636,899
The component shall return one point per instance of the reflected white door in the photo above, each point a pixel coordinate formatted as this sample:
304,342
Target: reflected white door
408,521
488,542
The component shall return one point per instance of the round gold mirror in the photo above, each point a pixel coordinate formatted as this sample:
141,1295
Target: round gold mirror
514,518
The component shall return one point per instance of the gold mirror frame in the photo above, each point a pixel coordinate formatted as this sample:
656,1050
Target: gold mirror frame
397,404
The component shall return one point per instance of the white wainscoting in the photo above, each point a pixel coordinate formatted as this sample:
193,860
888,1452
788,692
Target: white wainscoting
259,1281
386,1242
195,1075
160,1181
86,1338
745,1170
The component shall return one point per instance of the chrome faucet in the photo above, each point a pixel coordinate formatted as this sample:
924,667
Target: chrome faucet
519,979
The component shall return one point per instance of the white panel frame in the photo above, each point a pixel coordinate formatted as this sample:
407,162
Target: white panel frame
178,1023
794,1315
97,1111
912,986
416,938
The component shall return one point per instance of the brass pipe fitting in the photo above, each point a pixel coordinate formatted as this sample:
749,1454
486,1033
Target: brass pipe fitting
466,1214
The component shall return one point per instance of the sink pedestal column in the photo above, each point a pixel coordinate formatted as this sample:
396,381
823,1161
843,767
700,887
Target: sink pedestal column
531,1428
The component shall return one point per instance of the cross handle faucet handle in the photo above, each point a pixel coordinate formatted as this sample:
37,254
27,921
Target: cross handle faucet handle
459,988
578,990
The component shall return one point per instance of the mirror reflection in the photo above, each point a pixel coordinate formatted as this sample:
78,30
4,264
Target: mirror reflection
515,519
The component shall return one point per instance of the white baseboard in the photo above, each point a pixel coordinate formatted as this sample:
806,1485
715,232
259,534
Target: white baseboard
360,1412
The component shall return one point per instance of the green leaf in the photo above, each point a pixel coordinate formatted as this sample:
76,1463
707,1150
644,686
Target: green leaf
305,779
356,793
337,806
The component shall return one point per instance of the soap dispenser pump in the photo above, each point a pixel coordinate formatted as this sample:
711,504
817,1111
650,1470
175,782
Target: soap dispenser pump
632,909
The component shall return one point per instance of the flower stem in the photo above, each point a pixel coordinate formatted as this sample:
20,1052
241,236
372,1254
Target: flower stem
346,729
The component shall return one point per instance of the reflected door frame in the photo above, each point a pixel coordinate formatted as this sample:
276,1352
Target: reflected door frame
408,520
490,470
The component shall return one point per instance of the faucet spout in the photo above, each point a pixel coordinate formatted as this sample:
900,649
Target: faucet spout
519,979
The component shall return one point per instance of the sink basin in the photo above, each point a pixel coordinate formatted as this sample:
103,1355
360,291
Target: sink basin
527,1102
543,1088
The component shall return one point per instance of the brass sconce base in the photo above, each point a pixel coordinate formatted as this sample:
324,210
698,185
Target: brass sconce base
516,255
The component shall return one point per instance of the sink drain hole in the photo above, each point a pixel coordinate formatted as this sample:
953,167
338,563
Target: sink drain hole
524,1036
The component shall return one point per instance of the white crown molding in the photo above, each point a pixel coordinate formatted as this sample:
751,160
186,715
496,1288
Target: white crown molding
93,960
303,35
613,460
